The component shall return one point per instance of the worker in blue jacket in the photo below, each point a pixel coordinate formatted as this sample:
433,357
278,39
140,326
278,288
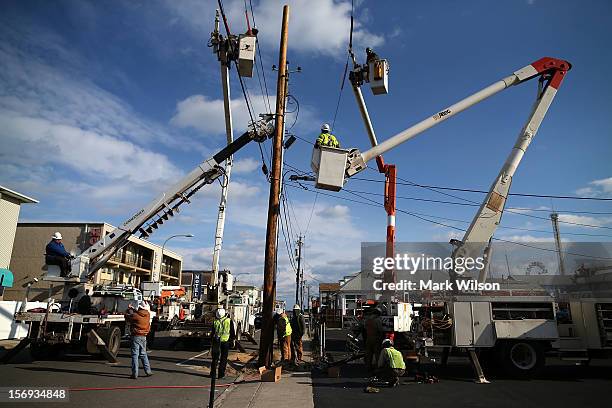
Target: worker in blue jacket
56,254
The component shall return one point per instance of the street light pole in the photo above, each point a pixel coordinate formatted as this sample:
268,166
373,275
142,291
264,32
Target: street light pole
164,246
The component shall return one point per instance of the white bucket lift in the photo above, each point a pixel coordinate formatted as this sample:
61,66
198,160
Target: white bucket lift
246,55
329,165
378,76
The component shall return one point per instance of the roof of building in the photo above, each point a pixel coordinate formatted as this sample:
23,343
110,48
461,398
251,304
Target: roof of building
18,196
329,287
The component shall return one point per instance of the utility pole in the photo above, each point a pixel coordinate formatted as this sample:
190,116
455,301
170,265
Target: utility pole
223,55
554,217
298,275
267,334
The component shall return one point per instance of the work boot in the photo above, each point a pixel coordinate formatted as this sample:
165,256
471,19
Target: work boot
133,377
149,374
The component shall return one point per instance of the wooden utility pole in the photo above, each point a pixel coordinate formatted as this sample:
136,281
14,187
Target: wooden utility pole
267,333
298,277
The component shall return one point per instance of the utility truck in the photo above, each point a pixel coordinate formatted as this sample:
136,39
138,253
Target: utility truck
519,327
59,324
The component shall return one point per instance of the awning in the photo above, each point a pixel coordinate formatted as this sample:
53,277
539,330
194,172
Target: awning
6,278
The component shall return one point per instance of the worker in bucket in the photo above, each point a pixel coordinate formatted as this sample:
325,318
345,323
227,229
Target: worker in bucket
56,254
391,364
298,326
373,334
140,325
223,335
326,138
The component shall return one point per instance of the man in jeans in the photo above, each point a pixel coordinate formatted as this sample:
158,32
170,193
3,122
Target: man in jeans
140,324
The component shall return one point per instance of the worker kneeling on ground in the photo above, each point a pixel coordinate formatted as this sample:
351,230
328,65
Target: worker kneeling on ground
56,254
140,324
326,138
283,331
223,335
298,326
391,364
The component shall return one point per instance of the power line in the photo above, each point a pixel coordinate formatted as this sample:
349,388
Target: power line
424,218
469,190
468,222
469,204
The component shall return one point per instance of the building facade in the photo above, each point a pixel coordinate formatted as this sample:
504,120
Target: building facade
136,262
10,205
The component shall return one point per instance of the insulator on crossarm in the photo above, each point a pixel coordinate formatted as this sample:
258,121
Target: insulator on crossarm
150,230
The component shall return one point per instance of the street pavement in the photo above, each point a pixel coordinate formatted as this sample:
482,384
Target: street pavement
171,368
561,384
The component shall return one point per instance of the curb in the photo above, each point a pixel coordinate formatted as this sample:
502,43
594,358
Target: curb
219,400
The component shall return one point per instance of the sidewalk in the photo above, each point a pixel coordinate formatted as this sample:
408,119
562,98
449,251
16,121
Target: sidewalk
293,390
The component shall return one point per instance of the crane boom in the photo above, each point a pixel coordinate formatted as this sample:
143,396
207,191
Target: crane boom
477,238
154,214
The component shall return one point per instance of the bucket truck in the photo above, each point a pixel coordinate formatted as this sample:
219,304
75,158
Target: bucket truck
518,328
58,325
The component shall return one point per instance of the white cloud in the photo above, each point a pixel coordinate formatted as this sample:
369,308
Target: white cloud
597,188
334,212
569,220
86,152
245,166
307,17
207,115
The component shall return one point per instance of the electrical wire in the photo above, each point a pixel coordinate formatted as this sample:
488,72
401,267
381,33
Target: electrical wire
350,53
468,190
426,219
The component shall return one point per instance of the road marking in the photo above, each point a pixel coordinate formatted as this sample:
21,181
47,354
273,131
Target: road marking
192,358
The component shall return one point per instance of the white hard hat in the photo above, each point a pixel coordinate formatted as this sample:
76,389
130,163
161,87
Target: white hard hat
296,307
57,235
325,127
220,313
387,341
144,305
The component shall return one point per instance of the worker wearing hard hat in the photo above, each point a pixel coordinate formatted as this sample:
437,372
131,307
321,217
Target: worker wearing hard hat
56,254
391,364
223,334
298,326
140,324
284,330
326,138
373,334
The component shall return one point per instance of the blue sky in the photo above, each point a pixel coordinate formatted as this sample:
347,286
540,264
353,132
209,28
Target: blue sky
103,104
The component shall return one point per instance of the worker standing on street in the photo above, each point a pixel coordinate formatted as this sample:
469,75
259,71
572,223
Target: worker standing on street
223,334
373,333
140,324
298,327
283,330
391,364
326,138
56,254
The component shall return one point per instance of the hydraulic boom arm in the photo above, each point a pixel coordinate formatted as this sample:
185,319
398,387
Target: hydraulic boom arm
150,217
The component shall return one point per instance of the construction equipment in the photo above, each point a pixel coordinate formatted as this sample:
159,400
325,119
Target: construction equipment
466,321
58,325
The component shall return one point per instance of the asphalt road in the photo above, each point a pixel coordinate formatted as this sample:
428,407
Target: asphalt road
561,384
170,368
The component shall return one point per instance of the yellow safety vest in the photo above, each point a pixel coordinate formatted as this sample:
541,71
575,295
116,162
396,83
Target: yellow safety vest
396,360
222,328
288,329
327,139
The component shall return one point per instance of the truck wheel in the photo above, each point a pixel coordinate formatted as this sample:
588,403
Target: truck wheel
112,338
522,357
